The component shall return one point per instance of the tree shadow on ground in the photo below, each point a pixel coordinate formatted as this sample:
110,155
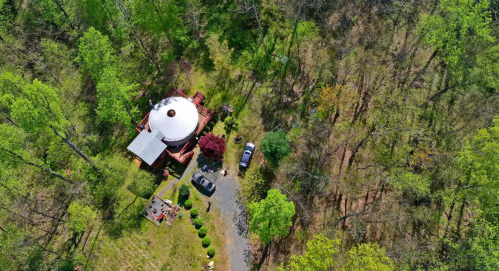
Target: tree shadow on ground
132,219
203,191
202,161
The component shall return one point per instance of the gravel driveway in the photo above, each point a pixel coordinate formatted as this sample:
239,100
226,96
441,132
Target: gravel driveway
234,215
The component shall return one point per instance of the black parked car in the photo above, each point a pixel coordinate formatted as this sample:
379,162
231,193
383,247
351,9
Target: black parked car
202,181
247,155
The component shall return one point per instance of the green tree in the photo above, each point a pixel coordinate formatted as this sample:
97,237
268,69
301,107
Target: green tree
6,18
96,53
220,54
368,257
15,249
15,153
275,146
254,187
271,216
37,108
317,257
478,252
456,27
80,217
113,95
479,174
231,124
142,184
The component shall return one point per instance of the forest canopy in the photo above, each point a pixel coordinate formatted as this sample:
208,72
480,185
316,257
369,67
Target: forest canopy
376,125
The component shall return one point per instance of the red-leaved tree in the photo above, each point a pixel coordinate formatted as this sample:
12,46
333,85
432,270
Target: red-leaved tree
212,146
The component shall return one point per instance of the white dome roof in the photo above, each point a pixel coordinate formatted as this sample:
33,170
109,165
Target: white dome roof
176,118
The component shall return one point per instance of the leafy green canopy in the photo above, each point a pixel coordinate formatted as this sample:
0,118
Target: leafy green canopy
478,252
96,53
271,217
368,257
318,257
478,163
34,106
455,28
275,146
80,217
113,95
98,58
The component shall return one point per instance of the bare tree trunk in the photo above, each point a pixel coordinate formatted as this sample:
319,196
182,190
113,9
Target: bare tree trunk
424,68
72,146
55,174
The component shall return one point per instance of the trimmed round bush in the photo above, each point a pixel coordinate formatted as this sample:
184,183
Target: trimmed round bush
188,204
184,192
198,223
206,242
202,232
194,212
211,252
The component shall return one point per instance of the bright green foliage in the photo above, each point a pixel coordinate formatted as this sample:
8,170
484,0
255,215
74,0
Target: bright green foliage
457,26
184,191
62,13
211,252
231,124
13,247
107,183
198,223
114,93
410,183
479,252
206,242
488,67
142,183
6,18
271,217
80,217
275,146
194,213
220,53
368,257
96,53
12,145
317,257
202,232
188,204
477,161
35,106
161,18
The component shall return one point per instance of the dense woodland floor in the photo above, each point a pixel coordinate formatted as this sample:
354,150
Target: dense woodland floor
381,142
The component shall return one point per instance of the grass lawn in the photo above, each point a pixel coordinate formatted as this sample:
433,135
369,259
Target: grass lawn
147,247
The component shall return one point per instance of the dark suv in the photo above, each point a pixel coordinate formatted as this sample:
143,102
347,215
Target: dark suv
202,181
247,155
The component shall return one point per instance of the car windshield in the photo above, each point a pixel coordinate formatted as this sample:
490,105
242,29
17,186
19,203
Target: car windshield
209,185
246,157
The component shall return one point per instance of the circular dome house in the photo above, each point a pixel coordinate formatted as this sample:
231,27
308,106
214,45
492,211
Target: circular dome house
176,118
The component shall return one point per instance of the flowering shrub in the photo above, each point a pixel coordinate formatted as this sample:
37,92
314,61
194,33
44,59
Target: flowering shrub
212,147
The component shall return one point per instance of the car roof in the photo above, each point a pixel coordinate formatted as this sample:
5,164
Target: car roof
250,144
196,175
246,157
